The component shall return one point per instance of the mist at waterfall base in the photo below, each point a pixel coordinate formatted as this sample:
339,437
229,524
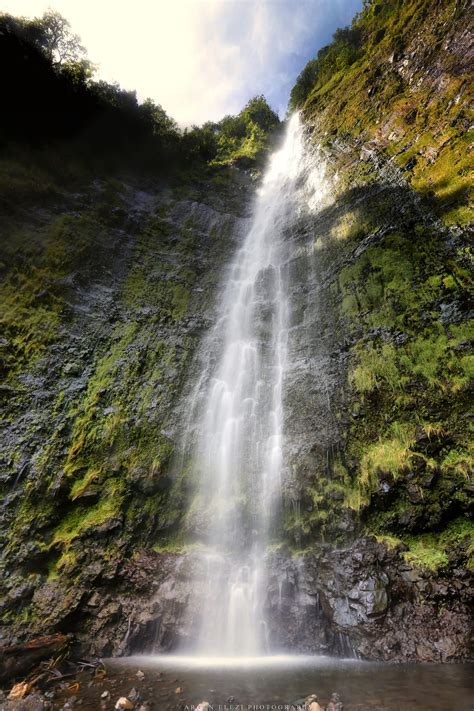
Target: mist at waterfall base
234,436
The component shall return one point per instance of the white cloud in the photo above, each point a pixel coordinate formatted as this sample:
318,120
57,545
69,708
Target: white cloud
200,59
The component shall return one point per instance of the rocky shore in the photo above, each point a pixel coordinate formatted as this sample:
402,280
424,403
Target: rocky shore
141,685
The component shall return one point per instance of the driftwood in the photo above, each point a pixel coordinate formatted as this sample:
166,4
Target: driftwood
16,660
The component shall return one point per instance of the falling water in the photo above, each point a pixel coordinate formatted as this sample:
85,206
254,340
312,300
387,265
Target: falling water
238,453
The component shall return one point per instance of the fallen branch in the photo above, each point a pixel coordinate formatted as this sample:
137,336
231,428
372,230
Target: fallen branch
16,660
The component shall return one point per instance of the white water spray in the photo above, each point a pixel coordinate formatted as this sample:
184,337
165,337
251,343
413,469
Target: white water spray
238,455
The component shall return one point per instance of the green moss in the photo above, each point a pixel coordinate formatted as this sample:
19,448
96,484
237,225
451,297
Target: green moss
29,316
316,514
127,376
21,178
177,544
409,371
179,299
105,441
84,519
422,554
40,515
390,541
447,180
159,287
376,366
417,123
431,551
32,293
83,486
389,454
64,565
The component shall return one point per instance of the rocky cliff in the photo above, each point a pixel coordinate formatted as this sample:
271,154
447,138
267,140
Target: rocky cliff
108,288
106,292
389,370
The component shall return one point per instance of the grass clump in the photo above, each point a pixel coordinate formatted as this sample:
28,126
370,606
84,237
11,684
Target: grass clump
390,454
376,366
82,520
425,554
390,541
432,550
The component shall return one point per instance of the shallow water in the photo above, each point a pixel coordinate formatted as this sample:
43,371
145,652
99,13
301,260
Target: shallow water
256,683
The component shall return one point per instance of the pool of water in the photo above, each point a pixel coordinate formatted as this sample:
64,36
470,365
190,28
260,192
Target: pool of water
273,682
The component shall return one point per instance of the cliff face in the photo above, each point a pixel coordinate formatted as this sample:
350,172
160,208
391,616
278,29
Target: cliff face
387,341
396,244
107,292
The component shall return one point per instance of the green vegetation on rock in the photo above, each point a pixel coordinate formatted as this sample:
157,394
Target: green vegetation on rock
387,103
432,551
396,81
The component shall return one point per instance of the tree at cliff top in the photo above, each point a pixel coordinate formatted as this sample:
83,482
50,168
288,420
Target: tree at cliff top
243,139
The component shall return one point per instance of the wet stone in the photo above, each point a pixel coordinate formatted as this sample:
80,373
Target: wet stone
335,703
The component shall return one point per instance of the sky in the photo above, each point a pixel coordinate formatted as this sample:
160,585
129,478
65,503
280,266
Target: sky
200,59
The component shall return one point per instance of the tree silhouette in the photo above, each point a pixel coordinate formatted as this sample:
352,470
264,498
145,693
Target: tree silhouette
57,41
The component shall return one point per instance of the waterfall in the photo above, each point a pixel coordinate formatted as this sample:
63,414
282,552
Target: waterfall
237,410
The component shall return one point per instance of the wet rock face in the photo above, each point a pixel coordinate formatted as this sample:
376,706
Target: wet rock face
91,404
355,591
100,578
387,610
361,601
97,576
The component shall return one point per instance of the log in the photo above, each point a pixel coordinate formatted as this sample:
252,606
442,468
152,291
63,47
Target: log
16,660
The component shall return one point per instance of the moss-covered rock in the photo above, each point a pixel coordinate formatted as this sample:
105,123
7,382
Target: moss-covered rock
386,106
104,297
398,81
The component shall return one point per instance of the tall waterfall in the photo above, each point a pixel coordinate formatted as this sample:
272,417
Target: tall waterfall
238,410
